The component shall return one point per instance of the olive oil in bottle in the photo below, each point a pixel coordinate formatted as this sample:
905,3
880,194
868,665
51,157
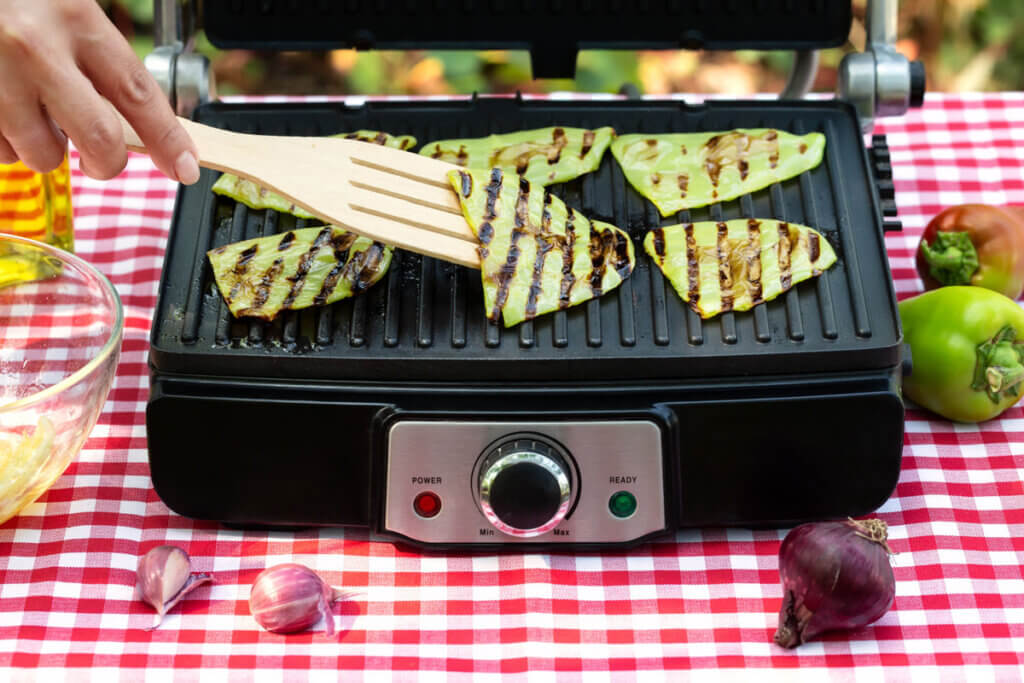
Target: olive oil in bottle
36,206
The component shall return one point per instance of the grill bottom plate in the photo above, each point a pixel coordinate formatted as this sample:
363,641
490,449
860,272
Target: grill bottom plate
425,321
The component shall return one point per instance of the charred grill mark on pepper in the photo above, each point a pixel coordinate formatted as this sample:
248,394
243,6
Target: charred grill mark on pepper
306,262
655,178
466,181
485,233
803,147
493,189
713,164
369,264
331,281
692,267
544,245
461,157
546,241
568,249
684,182
247,255
508,271
286,241
773,157
659,244
263,290
648,149
754,259
813,248
734,149
545,216
622,264
724,268
559,140
588,142
785,248
600,243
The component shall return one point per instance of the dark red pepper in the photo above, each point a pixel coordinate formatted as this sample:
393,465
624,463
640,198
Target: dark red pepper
974,244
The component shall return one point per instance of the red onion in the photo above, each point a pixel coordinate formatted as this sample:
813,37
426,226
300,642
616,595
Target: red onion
836,575
290,597
165,576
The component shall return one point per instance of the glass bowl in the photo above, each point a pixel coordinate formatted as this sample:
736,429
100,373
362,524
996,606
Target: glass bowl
60,338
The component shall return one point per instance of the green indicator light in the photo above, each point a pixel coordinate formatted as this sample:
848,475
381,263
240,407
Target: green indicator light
622,504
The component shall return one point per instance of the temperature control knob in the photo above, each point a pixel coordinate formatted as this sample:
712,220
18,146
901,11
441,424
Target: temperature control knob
525,487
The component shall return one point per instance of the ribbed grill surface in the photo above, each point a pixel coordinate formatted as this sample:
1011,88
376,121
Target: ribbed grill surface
425,320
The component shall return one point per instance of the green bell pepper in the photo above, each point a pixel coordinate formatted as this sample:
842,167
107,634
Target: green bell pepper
966,345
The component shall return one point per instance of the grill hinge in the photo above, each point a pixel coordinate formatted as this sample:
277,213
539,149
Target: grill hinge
183,75
880,81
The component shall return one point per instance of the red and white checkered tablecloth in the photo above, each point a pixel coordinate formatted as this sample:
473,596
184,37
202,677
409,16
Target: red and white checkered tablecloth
701,601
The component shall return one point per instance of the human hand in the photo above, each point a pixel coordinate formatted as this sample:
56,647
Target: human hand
59,59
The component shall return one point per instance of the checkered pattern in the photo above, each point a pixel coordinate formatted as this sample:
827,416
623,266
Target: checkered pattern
704,601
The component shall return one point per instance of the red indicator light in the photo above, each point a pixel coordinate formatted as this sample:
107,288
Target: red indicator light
427,504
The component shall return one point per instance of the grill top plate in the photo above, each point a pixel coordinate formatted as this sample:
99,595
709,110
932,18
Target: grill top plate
425,320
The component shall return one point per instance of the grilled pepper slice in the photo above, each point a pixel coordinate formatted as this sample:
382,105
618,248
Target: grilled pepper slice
261,277
543,156
536,254
734,265
256,197
687,170
974,244
967,346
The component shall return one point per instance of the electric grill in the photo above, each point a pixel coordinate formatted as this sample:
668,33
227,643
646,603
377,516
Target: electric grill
406,412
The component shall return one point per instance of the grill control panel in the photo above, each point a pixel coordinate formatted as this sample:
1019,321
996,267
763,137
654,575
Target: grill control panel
513,482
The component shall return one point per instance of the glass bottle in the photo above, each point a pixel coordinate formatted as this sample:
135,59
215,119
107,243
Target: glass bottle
36,206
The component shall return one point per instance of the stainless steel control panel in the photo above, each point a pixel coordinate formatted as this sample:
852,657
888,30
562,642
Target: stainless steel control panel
435,471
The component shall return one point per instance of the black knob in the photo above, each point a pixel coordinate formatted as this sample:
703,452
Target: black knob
525,487
918,82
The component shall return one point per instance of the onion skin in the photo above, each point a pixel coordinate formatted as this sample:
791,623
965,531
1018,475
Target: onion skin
836,576
288,598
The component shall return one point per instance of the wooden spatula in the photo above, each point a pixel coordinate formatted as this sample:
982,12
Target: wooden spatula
395,197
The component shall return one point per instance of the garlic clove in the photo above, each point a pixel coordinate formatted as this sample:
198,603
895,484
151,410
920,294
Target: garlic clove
288,598
165,576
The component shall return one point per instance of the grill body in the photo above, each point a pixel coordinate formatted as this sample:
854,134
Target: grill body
786,413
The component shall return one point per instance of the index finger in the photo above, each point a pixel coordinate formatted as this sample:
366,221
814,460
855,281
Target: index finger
119,75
